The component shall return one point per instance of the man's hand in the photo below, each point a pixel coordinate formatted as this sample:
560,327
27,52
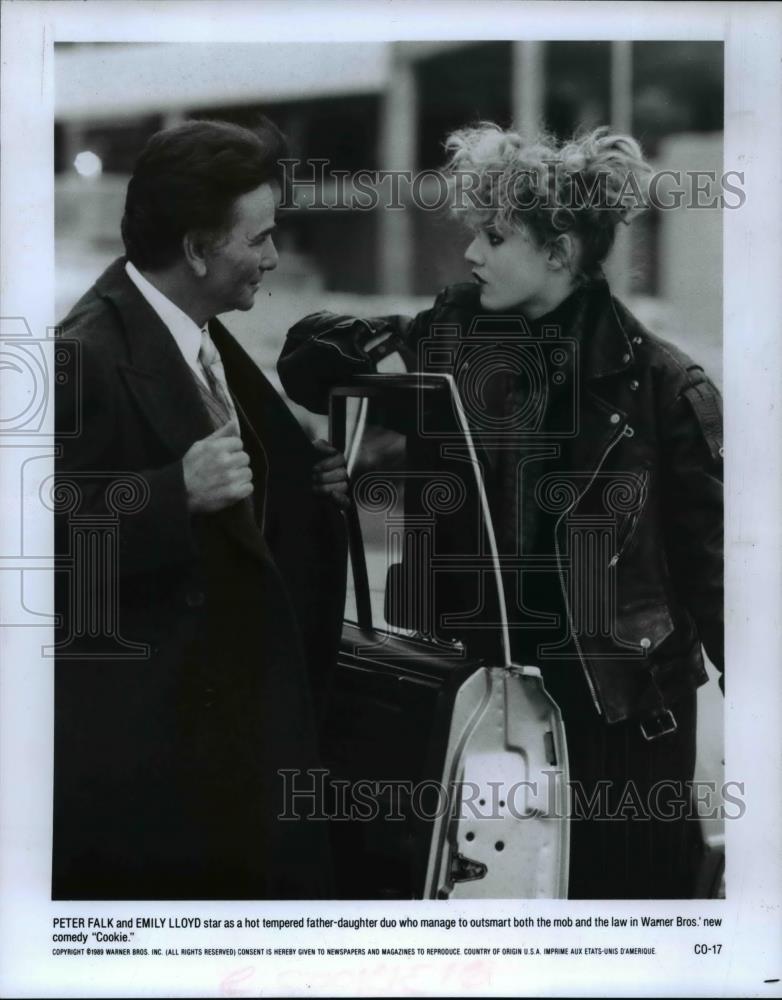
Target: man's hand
330,476
217,471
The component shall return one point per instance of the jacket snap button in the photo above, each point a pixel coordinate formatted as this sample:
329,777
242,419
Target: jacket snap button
636,340
634,385
615,418
195,598
645,643
722,452
625,358
629,432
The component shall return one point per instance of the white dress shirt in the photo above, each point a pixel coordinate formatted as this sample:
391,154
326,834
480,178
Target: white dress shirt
185,332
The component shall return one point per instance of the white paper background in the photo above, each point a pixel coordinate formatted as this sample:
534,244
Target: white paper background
752,925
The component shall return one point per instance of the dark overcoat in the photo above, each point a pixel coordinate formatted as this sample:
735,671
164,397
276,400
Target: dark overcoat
177,706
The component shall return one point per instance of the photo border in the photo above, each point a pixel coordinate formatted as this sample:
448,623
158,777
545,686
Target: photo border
752,375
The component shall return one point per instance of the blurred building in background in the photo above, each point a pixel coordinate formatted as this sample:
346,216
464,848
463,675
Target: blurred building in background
389,106
384,106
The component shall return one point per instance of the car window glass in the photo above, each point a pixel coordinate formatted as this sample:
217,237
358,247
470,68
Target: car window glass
379,467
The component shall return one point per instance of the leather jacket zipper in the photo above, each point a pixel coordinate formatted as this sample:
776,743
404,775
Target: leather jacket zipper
625,538
629,529
589,679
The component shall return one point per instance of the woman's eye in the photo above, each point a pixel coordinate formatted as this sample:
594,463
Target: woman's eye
495,239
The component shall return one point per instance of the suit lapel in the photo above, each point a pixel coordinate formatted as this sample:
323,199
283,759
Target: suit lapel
259,463
239,371
157,375
163,386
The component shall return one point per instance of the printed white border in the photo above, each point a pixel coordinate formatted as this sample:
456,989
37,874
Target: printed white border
752,928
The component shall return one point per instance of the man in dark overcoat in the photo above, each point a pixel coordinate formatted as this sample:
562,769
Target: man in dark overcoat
187,655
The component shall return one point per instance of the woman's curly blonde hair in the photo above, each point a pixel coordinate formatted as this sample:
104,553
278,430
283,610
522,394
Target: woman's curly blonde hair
584,186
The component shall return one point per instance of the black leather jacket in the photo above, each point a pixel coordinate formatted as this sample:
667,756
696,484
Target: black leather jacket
636,487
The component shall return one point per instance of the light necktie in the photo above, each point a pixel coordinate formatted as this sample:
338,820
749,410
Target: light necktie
221,406
212,365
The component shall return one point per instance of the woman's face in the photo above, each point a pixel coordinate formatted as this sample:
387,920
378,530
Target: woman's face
512,271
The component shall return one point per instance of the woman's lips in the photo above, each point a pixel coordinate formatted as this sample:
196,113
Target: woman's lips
478,278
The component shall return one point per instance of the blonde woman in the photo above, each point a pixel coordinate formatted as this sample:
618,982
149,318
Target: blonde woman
602,455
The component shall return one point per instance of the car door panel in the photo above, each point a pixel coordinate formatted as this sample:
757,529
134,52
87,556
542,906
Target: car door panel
446,762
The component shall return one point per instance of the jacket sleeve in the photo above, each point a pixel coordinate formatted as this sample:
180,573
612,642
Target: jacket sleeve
325,349
149,505
693,508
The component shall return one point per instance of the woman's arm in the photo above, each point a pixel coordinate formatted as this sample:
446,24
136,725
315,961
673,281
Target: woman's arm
326,349
693,507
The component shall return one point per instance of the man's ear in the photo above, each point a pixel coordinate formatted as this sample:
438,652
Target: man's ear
562,253
195,248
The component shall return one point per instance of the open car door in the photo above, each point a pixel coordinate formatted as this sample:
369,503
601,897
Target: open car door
447,764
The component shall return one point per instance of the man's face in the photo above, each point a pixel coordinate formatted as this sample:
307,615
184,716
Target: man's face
235,265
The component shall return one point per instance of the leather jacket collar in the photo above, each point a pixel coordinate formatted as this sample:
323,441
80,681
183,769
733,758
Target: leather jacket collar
607,347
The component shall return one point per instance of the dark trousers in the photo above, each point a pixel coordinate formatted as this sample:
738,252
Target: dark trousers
634,831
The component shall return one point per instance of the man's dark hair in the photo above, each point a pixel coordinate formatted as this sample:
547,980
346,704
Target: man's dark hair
187,179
